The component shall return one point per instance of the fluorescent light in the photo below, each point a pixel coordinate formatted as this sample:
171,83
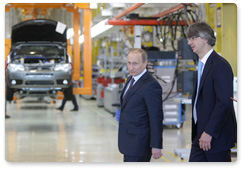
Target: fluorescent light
100,28
81,39
97,30
106,12
93,5
70,33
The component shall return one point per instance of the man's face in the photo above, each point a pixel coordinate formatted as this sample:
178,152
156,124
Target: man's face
197,44
135,63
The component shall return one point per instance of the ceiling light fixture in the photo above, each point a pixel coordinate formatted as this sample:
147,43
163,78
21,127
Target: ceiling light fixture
97,30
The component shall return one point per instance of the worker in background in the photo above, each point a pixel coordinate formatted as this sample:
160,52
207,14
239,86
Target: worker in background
6,116
74,101
213,122
140,125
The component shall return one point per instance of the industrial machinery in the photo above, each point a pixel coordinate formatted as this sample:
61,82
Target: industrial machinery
111,96
110,81
163,66
187,73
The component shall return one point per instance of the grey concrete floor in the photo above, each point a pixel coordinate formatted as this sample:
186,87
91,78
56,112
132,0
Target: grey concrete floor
37,132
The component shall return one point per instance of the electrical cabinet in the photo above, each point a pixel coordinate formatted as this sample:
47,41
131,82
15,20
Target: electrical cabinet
112,96
185,51
186,81
174,114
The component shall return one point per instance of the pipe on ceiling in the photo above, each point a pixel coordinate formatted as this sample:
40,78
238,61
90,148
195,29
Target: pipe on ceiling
130,9
140,22
169,11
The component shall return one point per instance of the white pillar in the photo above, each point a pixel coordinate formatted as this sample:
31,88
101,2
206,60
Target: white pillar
137,38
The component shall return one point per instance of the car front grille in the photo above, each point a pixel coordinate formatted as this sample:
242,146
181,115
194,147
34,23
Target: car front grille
39,83
39,74
38,92
39,68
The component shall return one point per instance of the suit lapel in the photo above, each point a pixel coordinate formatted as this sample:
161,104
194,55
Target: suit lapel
206,70
127,82
194,93
136,86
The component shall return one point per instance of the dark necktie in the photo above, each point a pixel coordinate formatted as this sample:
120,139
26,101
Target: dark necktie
130,86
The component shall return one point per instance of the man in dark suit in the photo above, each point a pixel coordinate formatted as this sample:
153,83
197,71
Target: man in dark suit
213,119
140,125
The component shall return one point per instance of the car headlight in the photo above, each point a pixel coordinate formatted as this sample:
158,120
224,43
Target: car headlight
15,67
63,67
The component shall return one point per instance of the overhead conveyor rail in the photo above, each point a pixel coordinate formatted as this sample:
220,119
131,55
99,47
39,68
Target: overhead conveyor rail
152,22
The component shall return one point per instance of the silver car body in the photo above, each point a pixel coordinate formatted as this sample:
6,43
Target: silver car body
38,68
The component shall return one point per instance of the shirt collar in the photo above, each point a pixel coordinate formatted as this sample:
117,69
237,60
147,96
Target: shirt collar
205,58
138,76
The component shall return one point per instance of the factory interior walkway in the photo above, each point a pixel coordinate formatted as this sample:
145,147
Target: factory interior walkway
37,132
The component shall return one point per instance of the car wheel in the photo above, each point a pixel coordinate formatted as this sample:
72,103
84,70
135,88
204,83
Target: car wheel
68,93
9,93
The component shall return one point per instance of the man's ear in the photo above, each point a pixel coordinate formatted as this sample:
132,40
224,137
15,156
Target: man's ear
146,62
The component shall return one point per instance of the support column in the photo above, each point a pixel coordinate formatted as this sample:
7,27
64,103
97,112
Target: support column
87,51
76,46
137,34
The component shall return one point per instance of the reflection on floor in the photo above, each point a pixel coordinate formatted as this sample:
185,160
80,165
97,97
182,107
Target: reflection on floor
37,132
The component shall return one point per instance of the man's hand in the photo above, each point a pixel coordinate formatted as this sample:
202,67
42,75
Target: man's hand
205,141
156,153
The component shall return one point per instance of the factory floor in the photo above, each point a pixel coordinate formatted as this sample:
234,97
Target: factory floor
37,132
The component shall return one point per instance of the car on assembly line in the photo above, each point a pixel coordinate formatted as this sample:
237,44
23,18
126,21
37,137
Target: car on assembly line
38,64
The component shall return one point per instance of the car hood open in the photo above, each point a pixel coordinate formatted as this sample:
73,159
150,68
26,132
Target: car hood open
38,30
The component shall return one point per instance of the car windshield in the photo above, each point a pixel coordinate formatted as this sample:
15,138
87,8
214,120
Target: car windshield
39,52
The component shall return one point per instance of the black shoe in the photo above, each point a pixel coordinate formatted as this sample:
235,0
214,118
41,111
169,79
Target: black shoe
7,116
74,109
59,108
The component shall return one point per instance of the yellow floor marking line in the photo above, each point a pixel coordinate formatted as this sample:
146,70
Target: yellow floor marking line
115,124
165,159
100,114
174,156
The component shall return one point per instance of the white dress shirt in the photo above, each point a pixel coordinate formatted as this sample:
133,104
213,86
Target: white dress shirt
136,78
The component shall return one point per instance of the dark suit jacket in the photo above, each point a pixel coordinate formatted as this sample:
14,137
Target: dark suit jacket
215,111
140,126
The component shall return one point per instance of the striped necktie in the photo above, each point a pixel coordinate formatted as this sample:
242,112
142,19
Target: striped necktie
130,86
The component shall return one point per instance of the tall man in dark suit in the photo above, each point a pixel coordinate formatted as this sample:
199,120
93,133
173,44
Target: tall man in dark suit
213,119
140,126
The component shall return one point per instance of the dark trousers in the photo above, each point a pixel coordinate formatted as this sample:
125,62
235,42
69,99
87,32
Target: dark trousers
73,100
146,158
198,155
